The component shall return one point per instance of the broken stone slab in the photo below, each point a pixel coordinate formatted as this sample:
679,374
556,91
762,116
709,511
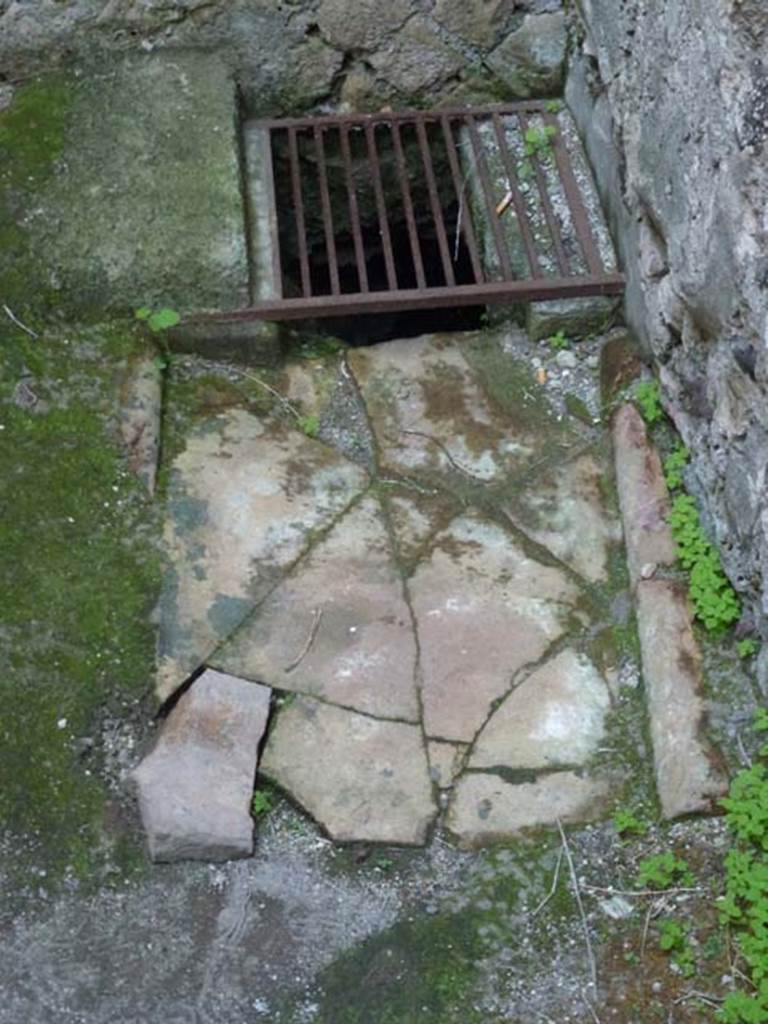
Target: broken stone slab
141,399
486,809
196,785
566,513
690,775
484,609
136,196
339,627
245,499
361,778
555,718
430,413
643,495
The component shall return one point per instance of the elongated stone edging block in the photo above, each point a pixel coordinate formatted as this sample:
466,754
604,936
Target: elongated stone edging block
643,496
141,400
690,776
196,785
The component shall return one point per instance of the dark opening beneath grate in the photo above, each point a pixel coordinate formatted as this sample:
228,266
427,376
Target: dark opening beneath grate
421,211
364,231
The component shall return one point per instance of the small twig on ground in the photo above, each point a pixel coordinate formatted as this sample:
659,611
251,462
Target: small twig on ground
590,1007
580,905
551,892
654,910
457,238
310,640
695,994
276,394
457,466
642,892
11,316
746,760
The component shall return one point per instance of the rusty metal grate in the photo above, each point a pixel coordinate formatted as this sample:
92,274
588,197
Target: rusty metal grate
424,209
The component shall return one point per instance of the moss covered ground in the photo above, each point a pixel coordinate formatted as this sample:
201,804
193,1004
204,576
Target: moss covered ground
79,570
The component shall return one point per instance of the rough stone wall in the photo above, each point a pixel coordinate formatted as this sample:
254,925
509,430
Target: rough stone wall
289,55
672,98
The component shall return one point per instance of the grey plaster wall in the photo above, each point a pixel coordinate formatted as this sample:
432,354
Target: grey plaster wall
672,99
289,55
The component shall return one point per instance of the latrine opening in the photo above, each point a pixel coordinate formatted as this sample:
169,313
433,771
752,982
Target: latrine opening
365,231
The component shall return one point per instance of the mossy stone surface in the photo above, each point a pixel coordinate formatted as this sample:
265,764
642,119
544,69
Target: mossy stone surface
121,188
79,569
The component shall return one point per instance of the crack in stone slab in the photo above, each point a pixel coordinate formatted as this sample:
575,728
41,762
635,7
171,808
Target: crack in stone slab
364,653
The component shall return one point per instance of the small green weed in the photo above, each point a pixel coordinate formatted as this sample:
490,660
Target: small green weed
674,465
310,425
553,106
648,397
626,824
320,348
538,139
262,803
744,907
747,647
714,599
559,340
158,320
537,142
662,870
673,939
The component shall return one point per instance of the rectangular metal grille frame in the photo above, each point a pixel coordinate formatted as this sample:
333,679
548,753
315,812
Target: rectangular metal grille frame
406,282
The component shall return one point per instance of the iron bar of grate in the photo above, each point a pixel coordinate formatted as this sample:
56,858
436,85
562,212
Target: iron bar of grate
575,202
517,198
546,204
298,211
434,202
463,218
490,203
487,293
325,204
354,213
274,226
381,206
405,191
390,116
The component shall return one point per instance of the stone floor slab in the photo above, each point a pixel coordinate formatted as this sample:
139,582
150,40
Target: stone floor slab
690,775
339,627
484,609
361,778
195,787
556,718
485,809
566,513
142,202
244,497
430,414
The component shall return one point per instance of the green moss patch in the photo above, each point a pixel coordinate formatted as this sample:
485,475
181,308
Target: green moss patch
79,570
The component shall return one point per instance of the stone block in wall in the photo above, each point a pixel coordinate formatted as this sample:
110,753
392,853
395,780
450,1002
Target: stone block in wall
130,195
531,60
